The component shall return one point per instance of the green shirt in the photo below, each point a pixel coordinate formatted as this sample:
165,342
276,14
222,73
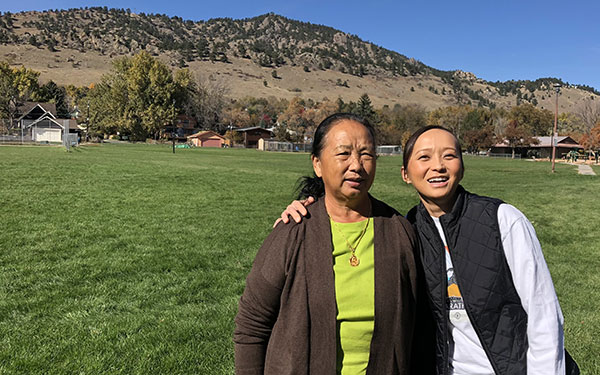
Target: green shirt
354,295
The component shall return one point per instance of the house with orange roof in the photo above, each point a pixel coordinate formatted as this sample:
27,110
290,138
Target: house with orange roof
206,138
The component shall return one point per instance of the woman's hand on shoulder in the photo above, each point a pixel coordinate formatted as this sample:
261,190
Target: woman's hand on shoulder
296,209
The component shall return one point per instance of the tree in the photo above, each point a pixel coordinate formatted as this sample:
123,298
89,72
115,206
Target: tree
451,117
202,48
479,139
209,101
517,135
75,96
477,119
236,117
250,111
151,94
17,85
185,89
51,43
233,137
398,123
317,113
589,113
293,122
340,83
138,97
500,125
538,121
52,93
591,140
341,106
284,133
571,124
33,41
365,109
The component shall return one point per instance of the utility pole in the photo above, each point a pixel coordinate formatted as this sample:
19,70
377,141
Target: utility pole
173,137
174,127
87,123
554,134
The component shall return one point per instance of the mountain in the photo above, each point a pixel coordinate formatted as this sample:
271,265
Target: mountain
268,55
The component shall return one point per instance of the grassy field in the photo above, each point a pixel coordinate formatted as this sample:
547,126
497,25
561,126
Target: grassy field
127,259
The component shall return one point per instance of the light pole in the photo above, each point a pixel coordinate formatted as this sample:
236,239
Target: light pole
554,134
174,127
87,123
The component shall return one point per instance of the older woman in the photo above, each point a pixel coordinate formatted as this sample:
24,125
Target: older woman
337,292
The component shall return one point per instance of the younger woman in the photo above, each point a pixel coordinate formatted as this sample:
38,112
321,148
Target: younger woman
490,290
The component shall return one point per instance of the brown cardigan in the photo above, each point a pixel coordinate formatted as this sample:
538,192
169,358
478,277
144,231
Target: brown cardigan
286,322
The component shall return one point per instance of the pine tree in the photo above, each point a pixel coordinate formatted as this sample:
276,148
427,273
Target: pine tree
365,109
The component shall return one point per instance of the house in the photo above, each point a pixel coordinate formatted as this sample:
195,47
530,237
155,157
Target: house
564,144
33,110
253,134
206,138
39,123
389,150
184,127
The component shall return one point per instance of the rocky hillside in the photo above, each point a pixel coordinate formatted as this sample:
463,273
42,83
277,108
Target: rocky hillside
268,55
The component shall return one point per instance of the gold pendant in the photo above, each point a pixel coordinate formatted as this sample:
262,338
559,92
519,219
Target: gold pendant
354,261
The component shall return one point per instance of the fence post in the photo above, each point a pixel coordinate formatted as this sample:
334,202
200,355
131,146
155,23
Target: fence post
66,139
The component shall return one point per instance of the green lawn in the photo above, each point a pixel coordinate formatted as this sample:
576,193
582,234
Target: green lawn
129,259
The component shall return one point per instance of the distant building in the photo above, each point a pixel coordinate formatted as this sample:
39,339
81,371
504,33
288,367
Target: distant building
564,144
389,150
543,149
206,138
40,124
184,126
253,134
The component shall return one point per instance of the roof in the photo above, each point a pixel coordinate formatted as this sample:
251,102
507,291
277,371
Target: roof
29,106
563,141
73,124
205,134
251,128
546,141
70,123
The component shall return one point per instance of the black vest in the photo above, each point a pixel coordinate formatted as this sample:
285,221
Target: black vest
483,277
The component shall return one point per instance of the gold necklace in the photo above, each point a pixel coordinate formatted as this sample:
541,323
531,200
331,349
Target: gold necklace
354,261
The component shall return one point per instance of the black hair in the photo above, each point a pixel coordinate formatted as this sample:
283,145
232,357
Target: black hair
410,144
312,186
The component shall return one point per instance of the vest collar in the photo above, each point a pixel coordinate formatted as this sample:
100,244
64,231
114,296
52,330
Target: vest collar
456,211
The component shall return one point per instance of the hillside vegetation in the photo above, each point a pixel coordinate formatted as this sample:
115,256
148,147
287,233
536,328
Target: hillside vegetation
294,58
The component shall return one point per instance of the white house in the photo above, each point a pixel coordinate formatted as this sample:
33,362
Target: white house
40,123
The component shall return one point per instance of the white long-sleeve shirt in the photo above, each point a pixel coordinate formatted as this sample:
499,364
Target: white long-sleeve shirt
533,283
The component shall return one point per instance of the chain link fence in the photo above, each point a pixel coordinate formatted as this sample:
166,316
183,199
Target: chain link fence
270,145
15,137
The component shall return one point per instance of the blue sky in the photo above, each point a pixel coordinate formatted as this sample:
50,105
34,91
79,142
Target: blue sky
495,40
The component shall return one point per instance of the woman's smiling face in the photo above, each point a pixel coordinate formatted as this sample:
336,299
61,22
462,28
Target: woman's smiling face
435,169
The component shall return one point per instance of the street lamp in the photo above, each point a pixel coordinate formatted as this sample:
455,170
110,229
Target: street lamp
87,123
554,134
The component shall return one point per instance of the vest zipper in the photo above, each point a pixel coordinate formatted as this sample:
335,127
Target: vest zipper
445,308
465,304
443,294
